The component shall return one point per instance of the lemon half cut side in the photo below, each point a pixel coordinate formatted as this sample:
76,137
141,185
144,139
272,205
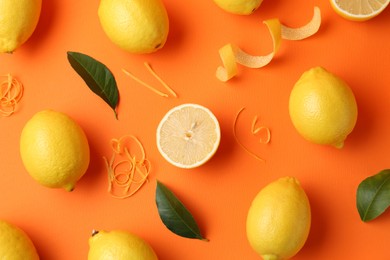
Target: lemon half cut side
359,10
188,135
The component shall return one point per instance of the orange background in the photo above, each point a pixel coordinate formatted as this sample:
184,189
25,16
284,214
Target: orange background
219,193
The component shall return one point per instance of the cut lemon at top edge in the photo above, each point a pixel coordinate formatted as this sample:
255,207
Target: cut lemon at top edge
188,135
359,10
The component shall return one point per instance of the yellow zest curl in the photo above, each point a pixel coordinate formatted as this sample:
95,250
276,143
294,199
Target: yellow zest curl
231,54
254,131
127,175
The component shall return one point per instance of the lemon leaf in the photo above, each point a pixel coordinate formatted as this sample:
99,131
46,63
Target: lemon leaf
373,195
97,77
174,214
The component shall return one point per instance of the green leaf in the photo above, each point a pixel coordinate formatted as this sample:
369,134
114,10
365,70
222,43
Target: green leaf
97,77
174,215
373,195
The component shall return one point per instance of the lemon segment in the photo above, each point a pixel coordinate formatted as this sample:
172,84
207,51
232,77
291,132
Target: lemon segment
18,20
188,135
119,245
137,26
279,219
54,149
323,108
15,243
359,10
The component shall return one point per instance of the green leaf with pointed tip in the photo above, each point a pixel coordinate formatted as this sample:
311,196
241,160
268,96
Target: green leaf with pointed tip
97,77
373,195
174,215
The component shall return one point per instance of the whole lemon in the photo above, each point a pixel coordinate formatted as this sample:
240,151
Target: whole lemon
243,7
54,149
137,26
18,20
279,218
323,108
119,245
15,244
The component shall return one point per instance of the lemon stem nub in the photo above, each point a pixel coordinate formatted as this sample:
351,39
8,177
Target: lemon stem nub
270,257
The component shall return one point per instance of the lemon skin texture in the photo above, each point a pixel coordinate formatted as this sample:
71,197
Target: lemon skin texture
54,149
15,244
119,245
242,7
18,20
323,108
279,219
137,26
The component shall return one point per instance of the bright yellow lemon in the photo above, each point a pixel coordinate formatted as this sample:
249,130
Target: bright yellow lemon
323,108
243,7
54,149
137,26
18,20
15,243
279,219
119,245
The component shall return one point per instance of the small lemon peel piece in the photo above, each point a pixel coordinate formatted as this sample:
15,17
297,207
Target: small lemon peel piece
231,54
126,176
259,130
254,130
157,77
11,92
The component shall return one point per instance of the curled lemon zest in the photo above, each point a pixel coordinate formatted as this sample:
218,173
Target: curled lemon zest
128,175
256,130
11,92
238,140
231,54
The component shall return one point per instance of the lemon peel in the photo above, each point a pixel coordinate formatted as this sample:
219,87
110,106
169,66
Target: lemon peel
231,54
157,77
129,174
11,91
254,130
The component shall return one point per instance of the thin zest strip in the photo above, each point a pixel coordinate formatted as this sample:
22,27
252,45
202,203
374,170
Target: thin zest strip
130,173
144,84
158,78
11,91
147,65
256,130
238,141
231,54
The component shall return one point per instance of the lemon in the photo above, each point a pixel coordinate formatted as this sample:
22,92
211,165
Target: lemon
359,10
54,149
137,26
119,245
279,219
18,20
243,7
188,135
15,244
323,108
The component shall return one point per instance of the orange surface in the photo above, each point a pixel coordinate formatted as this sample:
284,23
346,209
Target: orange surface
219,193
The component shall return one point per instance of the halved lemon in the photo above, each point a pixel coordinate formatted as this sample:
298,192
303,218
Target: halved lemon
188,135
359,10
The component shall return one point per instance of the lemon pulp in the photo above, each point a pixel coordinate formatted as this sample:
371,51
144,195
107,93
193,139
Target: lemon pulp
188,135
